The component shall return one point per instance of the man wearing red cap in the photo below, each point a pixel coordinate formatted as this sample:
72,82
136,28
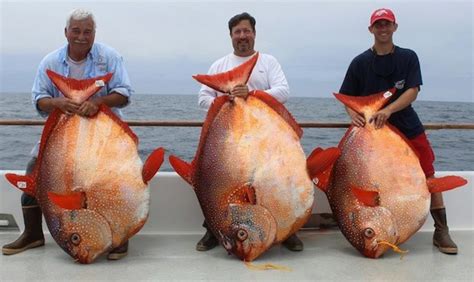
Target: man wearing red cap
385,66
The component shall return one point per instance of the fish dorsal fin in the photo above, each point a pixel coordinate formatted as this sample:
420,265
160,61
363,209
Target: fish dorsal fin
71,201
368,198
244,194
152,164
106,110
225,81
184,169
366,104
279,108
319,165
436,185
78,90
26,183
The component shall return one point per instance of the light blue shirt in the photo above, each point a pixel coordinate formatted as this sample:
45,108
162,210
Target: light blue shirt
100,61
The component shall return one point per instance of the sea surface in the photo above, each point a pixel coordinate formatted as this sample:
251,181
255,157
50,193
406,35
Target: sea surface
454,149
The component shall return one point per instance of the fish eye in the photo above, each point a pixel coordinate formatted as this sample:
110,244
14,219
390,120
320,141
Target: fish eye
242,235
75,239
369,233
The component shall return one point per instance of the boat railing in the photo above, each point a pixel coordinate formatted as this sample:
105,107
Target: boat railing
195,123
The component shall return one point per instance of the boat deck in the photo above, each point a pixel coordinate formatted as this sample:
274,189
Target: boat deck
327,256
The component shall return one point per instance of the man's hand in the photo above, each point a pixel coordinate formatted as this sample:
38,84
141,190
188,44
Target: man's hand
88,109
241,91
357,119
380,117
67,106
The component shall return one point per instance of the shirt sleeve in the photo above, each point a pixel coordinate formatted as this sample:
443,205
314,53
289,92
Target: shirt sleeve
278,84
414,72
42,88
120,82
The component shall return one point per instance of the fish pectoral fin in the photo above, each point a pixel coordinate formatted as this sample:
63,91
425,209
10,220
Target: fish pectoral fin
25,183
436,185
224,82
243,195
184,169
319,165
72,201
368,198
152,164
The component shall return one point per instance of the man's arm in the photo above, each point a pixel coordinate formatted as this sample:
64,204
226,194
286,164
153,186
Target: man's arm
278,84
405,99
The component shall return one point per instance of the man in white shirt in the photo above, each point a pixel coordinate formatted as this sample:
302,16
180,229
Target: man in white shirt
267,75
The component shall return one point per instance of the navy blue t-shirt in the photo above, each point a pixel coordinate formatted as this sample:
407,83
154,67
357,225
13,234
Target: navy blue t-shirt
369,73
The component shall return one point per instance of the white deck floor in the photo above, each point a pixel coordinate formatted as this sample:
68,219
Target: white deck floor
327,256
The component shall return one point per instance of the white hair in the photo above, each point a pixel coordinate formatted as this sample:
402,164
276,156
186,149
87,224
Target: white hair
78,15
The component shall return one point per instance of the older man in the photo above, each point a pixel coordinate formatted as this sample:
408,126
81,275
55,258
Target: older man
80,58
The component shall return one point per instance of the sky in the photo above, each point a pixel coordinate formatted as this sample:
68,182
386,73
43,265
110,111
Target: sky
164,43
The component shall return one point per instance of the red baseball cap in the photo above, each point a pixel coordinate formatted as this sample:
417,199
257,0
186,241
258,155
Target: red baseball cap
382,14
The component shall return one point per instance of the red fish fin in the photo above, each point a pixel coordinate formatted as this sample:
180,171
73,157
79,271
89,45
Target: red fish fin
224,82
106,110
184,169
368,198
243,195
279,108
79,90
152,164
320,160
25,183
72,201
361,103
436,185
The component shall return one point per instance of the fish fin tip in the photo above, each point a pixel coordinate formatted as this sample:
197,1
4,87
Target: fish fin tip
441,184
182,168
24,183
153,164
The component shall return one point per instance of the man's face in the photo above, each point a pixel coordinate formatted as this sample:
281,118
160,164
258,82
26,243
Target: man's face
80,35
243,38
383,31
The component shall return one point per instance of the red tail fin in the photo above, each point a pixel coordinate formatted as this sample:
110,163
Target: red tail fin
445,183
224,82
152,164
319,165
25,183
78,90
361,104
183,168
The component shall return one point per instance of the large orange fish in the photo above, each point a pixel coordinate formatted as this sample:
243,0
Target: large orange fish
377,189
89,180
250,172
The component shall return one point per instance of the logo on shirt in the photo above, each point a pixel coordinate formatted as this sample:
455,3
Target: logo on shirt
400,84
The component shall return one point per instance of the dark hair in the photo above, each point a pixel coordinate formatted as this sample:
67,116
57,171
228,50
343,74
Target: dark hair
235,20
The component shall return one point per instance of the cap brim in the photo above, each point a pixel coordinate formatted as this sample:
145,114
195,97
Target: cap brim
382,18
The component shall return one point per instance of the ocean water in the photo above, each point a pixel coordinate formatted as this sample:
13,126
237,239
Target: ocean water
454,149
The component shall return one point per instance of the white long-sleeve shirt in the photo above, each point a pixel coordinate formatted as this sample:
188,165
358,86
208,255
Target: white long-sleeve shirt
267,75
